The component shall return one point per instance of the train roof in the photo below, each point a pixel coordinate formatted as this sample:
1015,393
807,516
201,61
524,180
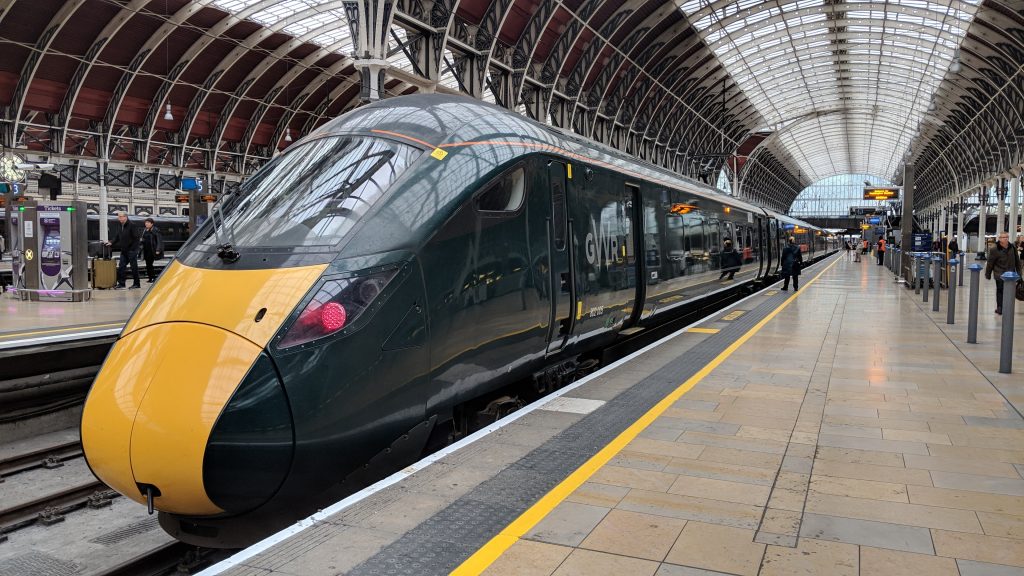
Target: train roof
449,121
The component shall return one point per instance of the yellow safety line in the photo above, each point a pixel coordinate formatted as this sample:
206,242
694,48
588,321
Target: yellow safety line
704,330
494,548
85,328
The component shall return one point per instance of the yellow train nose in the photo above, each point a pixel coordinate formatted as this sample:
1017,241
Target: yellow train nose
151,411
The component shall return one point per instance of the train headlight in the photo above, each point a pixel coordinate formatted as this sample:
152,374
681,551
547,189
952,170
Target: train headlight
336,305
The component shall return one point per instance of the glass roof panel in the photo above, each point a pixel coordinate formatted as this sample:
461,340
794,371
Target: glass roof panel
321,22
850,81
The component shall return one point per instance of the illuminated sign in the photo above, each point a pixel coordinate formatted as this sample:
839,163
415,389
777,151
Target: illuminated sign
799,230
208,198
181,198
191,183
681,209
880,193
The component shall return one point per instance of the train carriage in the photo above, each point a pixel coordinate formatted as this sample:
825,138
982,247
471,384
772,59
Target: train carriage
366,289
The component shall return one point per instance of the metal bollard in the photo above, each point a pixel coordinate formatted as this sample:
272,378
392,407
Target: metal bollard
936,273
951,295
916,273
924,277
961,281
972,309
1006,342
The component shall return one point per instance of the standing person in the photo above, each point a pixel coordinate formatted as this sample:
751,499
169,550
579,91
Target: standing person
730,260
3,246
152,247
848,248
954,248
792,258
1001,258
127,241
880,250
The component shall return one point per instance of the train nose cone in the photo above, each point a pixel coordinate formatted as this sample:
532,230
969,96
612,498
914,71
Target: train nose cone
156,404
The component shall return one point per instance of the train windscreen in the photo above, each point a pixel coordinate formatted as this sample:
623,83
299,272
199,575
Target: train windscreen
315,193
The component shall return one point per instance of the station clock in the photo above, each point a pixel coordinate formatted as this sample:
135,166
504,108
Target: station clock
9,170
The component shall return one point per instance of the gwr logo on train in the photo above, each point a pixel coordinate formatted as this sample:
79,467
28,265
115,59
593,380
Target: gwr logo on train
602,244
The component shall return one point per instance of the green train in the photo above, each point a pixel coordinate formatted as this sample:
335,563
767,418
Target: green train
406,260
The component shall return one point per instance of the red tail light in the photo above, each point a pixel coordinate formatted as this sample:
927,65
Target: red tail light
336,305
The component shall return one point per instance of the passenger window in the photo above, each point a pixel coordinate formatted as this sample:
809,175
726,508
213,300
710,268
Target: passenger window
505,195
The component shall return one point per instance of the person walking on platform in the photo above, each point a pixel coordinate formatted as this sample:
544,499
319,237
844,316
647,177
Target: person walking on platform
849,249
127,241
954,248
792,258
1001,258
730,260
880,250
152,247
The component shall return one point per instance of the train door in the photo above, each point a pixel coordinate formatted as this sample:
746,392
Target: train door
563,281
762,254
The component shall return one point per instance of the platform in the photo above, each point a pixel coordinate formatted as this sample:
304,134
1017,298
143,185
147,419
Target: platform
24,323
844,429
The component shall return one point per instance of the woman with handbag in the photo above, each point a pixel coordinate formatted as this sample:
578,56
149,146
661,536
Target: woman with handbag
152,247
1002,258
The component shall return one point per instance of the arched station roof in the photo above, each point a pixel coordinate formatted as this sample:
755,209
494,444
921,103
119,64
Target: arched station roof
786,91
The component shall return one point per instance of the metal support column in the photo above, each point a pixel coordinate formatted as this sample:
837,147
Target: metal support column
370,24
907,219
1014,205
1001,206
936,272
982,222
104,209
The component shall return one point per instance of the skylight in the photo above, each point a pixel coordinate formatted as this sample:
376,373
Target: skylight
850,80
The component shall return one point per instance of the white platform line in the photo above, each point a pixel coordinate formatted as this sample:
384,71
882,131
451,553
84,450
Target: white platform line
59,338
312,520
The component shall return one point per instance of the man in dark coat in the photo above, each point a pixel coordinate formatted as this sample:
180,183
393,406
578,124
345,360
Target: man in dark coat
730,260
954,248
1001,258
792,258
127,241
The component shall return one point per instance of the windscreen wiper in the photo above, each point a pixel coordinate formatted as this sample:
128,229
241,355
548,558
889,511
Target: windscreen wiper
225,251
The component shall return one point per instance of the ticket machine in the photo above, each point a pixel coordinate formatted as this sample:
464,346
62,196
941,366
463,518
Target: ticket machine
50,250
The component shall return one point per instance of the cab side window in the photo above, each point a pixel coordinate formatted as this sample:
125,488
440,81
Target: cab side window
506,195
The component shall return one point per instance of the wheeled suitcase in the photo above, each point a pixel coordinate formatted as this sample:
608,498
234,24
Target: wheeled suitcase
104,274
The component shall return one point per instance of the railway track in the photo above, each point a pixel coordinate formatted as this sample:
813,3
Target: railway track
173,558
49,457
51,508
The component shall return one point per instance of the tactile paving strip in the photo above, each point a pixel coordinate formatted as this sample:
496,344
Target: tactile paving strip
444,540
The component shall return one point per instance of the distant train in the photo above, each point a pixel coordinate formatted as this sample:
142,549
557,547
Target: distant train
174,229
377,287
